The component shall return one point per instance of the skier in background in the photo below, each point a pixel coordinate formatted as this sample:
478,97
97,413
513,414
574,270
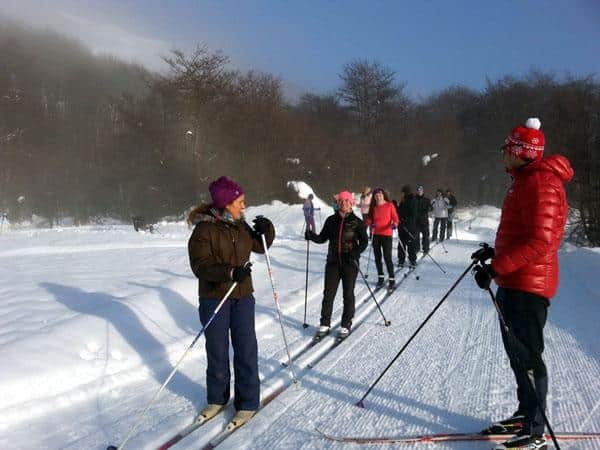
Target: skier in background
452,202
407,229
440,205
309,212
422,208
365,202
383,220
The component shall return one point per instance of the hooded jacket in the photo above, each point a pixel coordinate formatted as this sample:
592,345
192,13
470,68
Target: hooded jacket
216,246
531,227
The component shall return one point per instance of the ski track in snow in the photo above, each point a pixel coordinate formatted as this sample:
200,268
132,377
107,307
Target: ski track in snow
115,310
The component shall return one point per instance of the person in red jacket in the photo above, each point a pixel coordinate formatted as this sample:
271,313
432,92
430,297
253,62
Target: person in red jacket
525,267
383,220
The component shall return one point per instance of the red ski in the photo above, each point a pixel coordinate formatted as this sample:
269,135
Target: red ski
447,437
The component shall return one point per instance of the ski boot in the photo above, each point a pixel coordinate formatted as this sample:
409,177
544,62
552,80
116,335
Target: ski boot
321,332
512,425
241,417
342,334
525,441
391,285
209,411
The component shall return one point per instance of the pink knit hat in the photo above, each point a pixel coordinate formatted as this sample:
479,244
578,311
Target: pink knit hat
223,191
345,195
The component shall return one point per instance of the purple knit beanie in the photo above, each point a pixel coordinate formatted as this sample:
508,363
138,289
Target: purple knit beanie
223,191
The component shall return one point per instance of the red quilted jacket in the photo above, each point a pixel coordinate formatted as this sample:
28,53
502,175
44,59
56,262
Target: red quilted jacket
531,227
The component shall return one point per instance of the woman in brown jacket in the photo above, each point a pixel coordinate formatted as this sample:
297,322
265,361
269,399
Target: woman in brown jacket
219,249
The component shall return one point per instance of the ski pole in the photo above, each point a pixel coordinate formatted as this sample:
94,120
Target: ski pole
305,325
403,246
276,298
368,261
386,322
514,342
428,254
455,230
360,402
444,247
155,396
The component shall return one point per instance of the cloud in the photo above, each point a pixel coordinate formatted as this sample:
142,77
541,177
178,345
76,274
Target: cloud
106,38
98,34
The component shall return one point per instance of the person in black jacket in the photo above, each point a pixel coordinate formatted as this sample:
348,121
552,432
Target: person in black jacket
452,200
407,229
422,206
347,236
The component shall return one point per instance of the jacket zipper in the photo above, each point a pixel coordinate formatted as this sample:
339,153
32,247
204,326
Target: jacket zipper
231,232
340,240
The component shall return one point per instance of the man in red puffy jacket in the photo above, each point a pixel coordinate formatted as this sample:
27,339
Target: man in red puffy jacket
525,267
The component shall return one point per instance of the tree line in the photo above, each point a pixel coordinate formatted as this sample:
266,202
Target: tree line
86,136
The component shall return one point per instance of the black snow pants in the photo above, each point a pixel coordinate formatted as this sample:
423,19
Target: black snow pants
334,272
423,232
439,222
525,314
406,244
383,244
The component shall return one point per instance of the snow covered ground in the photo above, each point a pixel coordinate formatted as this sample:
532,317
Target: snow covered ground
93,319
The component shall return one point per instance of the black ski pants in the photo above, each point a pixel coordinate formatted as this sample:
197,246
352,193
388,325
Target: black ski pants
406,244
449,225
422,232
525,315
334,272
439,222
383,244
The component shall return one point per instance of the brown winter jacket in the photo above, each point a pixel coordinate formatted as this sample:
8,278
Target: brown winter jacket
216,246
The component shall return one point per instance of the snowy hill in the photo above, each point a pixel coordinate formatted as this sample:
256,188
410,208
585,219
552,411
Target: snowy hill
92,320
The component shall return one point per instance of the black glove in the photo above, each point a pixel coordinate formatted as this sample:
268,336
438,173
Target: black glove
308,235
240,273
484,275
484,253
261,225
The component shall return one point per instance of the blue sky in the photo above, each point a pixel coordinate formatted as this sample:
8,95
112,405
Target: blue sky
430,44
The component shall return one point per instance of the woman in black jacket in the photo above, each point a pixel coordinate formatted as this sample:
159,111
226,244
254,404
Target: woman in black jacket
347,236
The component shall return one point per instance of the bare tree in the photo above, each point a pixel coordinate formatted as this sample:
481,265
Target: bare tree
370,91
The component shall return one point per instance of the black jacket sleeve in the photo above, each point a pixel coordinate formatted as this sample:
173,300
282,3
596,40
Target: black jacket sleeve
323,236
363,237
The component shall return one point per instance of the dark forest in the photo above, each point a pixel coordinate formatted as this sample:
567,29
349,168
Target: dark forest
87,136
